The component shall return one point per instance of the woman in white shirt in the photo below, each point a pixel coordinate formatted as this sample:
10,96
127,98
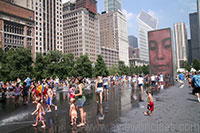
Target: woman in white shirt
141,84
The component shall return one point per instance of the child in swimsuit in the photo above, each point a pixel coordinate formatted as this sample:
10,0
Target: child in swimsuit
73,112
50,100
150,105
40,112
71,92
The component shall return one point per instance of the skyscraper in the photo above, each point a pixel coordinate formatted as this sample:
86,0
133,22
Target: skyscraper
133,41
146,23
181,43
195,49
80,31
48,23
112,5
189,51
88,4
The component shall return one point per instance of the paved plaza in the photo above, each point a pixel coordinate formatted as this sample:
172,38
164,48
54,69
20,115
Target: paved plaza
176,110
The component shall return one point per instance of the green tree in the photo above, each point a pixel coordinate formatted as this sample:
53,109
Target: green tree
66,66
83,66
39,67
122,68
186,65
131,69
113,70
17,63
52,61
196,64
145,69
1,63
100,67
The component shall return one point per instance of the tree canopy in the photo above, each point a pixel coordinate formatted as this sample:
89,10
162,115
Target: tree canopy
18,63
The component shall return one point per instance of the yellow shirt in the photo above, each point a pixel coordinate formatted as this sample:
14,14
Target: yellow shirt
39,89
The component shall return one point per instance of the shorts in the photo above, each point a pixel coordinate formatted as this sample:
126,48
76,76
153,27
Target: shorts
106,86
49,101
80,103
40,117
181,81
196,90
99,89
140,85
153,83
150,106
17,93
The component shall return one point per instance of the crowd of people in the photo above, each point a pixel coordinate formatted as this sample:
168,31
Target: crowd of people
43,92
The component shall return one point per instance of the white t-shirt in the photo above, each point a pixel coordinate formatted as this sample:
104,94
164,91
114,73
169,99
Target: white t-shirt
153,78
140,80
134,79
57,80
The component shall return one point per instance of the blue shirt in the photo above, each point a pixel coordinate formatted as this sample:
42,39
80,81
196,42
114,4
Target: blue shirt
28,82
181,76
196,80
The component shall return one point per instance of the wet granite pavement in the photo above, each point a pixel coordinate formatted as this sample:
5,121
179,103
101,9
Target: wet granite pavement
176,110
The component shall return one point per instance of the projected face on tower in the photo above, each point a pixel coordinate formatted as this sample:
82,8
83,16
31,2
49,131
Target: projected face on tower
160,51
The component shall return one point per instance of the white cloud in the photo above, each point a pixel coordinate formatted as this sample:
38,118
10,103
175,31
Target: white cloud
129,15
131,22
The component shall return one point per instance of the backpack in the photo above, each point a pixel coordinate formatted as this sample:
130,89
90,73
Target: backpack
196,81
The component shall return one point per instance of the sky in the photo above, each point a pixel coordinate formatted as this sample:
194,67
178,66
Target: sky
168,12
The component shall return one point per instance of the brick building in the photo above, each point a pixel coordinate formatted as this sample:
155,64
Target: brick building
16,26
88,4
80,31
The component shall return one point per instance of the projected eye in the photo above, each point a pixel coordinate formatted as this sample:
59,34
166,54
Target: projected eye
166,43
153,45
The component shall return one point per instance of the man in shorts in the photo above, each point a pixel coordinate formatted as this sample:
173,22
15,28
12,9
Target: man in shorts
181,79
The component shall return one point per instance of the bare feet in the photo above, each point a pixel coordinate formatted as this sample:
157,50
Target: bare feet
34,125
80,125
145,113
49,111
43,126
56,107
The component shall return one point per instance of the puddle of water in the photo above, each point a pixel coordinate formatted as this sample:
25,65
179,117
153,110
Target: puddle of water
117,103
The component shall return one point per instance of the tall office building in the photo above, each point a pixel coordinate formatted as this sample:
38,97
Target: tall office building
80,31
16,26
114,34
109,46
121,34
88,4
112,5
195,48
146,22
189,51
181,43
133,41
48,24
